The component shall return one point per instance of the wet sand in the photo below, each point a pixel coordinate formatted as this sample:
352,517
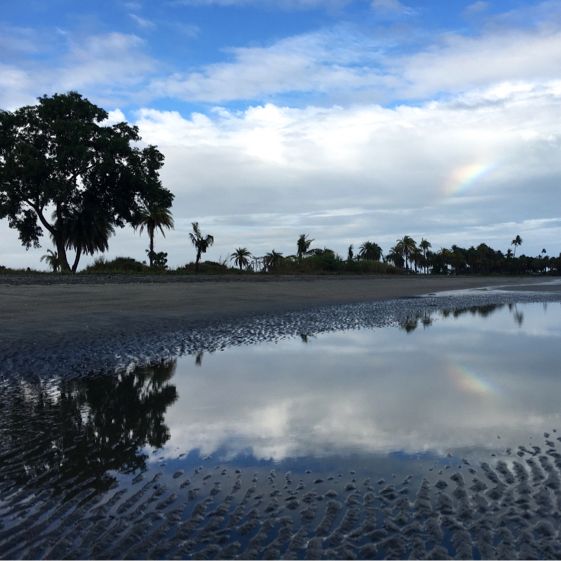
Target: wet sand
41,309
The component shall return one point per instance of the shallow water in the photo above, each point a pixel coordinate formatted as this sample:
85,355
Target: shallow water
434,438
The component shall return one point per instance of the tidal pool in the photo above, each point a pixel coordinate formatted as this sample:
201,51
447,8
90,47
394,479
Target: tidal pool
433,438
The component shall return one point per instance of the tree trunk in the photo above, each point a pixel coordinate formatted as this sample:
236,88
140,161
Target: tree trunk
197,260
77,259
61,250
151,252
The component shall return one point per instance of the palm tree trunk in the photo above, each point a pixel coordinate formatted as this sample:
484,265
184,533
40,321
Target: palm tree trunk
198,259
77,259
151,251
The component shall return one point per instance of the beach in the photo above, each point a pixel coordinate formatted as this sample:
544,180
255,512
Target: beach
43,308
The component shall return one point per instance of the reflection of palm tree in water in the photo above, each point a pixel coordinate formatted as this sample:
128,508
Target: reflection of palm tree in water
83,429
199,358
516,314
411,322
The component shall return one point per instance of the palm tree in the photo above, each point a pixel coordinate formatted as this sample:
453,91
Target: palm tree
202,243
271,260
87,231
406,246
425,246
51,259
303,245
350,253
395,256
517,241
371,251
152,217
417,258
241,257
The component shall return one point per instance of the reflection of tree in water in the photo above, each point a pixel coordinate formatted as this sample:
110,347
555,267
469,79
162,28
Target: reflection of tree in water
517,314
411,322
82,429
425,318
305,337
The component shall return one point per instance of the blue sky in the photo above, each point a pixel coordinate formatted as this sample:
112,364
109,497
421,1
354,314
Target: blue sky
345,119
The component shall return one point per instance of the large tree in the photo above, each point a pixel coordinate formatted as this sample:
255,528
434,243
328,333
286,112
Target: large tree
61,164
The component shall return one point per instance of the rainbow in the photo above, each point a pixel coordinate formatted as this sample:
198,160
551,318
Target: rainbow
464,177
470,382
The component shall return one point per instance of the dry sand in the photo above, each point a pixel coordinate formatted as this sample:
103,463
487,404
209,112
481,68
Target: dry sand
43,309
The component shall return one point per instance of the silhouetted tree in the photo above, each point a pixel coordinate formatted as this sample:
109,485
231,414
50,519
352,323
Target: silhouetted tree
272,260
201,243
241,257
303,245
152,217
60,155
516,242
51,259
371,251
425,246
406,246
87,231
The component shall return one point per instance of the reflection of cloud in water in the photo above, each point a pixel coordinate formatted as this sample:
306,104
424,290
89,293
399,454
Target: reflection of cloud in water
449,386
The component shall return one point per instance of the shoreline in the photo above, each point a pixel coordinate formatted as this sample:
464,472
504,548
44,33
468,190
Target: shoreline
78,330
43,309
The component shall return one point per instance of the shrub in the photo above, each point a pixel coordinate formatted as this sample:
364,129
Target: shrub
117,265
206,267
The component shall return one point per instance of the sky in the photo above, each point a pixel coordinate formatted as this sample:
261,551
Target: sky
347,120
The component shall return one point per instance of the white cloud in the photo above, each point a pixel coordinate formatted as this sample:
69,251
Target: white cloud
104,67
392,7
113,59
343,65
16,86
448,171
461,63
476,8
329,63
142,22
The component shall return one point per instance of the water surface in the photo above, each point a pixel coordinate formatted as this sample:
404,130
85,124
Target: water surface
436,437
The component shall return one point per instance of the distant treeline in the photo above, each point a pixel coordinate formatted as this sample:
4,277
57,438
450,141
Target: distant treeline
405,257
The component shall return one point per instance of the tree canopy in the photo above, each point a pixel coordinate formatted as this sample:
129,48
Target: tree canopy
61,164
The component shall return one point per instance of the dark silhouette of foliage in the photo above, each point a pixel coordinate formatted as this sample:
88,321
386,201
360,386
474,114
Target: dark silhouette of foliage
153,216
201,243
516,242
117,265
303,245
241,257
51,259
371,251
58,156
